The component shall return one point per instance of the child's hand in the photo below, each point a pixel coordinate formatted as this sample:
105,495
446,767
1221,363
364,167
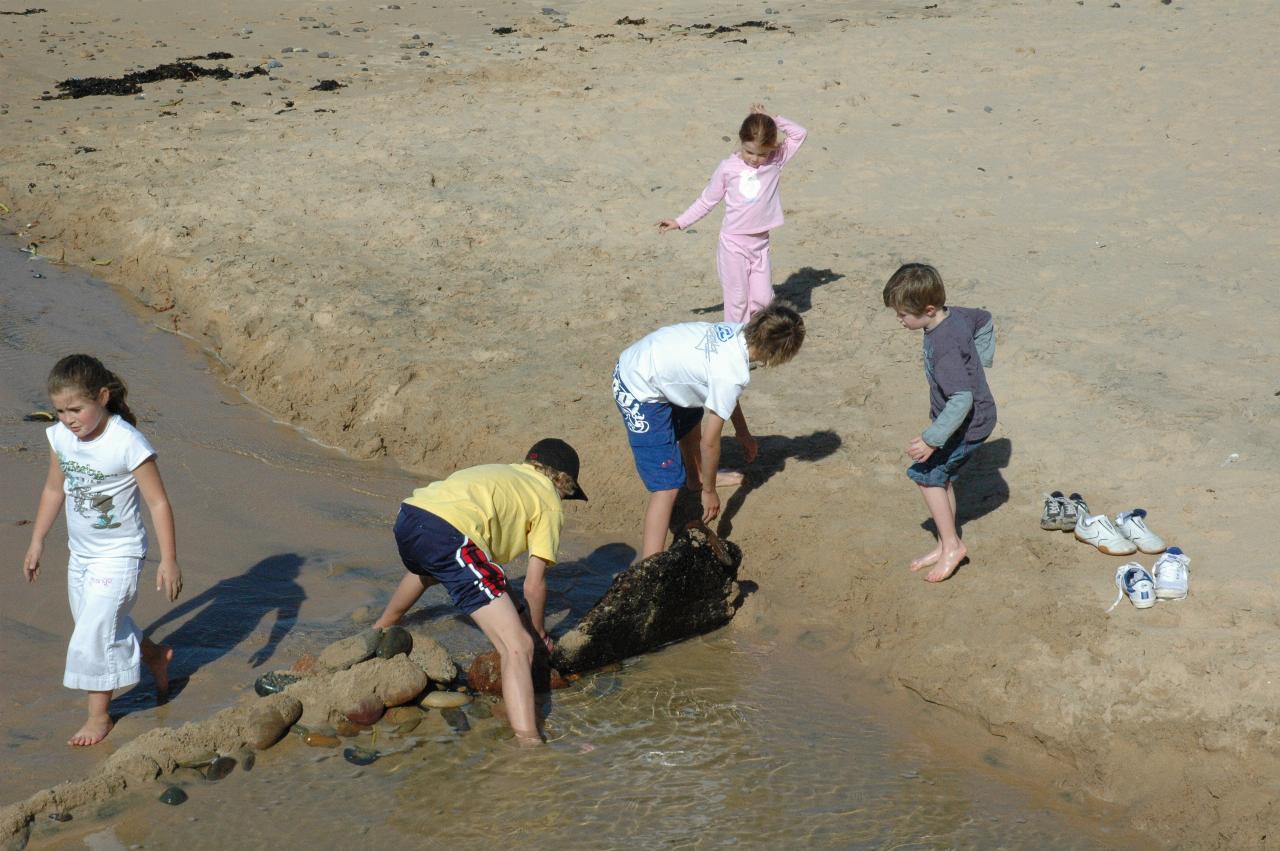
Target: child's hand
710,506
918,450
749,446
169,579
667,224
757,108
31,562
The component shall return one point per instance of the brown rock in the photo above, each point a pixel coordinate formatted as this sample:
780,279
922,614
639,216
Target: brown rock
430,655
350,651
306,664
485,674
317,740
400,714
328,697
366,712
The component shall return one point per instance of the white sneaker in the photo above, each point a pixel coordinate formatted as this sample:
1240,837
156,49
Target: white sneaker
1171,571
1133,581
1097,530
1132,524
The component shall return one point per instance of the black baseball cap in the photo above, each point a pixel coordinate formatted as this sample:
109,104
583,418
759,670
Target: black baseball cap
558,455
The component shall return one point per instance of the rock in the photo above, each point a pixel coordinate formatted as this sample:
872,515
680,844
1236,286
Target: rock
60,816
173,796
247,759
448,699
348,729
408,727
400,714
274,682
317,740
268,722
485,674
479,709
395,641
430,655
350,651
198,760
360,756
306,664
457,720
688,590
327,698
366,713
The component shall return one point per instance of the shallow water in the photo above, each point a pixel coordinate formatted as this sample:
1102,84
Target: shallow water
742,738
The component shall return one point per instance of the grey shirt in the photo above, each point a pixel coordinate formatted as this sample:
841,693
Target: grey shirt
955,352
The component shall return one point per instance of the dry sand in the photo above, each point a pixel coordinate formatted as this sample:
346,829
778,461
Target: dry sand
442,260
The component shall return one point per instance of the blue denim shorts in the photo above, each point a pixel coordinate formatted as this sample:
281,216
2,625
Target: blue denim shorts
654,430
431,548
945,462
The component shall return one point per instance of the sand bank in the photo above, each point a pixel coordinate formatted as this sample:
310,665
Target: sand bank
444,257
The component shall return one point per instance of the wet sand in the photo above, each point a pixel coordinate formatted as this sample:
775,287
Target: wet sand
477,224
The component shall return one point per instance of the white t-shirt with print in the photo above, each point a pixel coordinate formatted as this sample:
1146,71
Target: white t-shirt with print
693,365
104,517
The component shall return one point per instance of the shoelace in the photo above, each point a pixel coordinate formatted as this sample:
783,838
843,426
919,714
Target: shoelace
1120,589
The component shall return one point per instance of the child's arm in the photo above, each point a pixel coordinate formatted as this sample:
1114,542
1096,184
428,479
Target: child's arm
51,498
984,340
740,430
169,576
535,594
712,428
795,138
704,204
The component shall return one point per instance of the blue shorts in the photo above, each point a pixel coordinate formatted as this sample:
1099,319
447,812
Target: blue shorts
654,430
945,462
433,549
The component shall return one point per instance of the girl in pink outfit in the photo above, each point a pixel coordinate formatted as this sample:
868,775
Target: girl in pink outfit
748,183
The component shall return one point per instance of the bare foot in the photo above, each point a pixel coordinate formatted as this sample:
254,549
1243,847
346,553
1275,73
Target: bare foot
928,558
93,731
157,658
947,564
729,478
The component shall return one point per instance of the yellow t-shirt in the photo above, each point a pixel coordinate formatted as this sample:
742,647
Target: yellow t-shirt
505,508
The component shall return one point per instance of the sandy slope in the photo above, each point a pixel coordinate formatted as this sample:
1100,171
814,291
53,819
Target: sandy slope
447,260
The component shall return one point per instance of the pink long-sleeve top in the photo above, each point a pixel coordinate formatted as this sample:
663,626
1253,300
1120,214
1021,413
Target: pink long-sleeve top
751,202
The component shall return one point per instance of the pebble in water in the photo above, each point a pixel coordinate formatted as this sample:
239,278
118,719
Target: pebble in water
219,768
319,740
349,728
456,719
273,682
247,759
173,796
360,756
60,816
479,709
445,699
408,726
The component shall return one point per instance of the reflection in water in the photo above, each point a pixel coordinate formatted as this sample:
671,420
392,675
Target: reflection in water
714,742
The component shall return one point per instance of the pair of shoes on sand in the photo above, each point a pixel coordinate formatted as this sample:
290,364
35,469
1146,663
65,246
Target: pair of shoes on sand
1123,536
1060,512
1168,580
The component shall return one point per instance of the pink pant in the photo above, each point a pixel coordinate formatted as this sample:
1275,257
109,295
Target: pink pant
742,260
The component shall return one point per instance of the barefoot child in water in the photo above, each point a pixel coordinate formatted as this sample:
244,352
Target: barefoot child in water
748,183
459,531
958,343
98,466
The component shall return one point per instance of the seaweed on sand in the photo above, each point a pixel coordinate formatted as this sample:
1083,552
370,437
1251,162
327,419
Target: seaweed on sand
131,84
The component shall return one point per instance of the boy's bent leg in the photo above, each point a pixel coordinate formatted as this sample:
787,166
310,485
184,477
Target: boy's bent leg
406,594
501,624
98,724
950,551
657,518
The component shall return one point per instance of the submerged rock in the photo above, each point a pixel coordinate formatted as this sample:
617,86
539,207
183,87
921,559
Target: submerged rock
395,641
688,590
446,700
319,740
173,796
219,768
485,674
360,756
456,719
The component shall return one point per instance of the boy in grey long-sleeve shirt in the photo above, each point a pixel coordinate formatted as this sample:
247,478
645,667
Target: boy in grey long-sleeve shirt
958,343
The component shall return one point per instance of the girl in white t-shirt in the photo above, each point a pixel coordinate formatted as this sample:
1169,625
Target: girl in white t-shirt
98,467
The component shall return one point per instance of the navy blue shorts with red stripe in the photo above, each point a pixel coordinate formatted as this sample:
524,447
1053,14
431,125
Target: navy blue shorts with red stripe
431,547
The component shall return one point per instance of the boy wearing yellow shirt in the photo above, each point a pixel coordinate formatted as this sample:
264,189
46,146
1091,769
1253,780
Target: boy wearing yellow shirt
460,530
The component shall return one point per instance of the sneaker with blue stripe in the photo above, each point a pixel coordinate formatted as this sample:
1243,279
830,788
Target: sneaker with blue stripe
1133,581
1171,574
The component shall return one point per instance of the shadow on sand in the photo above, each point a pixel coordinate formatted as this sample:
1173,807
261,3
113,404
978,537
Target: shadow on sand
797,288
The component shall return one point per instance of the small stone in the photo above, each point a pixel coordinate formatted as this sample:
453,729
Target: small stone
424,52
360,756
395,640
324,54
445,700
348,729
359,29
275,63
479,709
173,796
401,714
286,50
60,816
199,760
456,719
366,712
219,768
986,109
273,682
247,760
317,740
408,727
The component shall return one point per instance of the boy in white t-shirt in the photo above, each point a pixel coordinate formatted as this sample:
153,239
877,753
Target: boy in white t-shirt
662,384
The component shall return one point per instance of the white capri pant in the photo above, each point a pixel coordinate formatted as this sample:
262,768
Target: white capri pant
105,652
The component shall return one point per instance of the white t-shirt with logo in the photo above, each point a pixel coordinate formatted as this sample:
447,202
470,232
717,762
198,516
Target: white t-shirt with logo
104,517
693,365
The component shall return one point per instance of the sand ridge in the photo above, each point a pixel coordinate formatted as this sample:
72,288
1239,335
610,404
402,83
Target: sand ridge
447,263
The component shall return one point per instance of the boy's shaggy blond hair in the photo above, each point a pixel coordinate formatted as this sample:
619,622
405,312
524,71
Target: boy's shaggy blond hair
775,334
564,483
914,287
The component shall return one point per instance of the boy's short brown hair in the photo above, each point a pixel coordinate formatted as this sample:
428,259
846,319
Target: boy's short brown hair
775,334
914,287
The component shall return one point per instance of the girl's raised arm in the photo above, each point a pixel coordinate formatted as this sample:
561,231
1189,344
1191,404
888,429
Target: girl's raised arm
795,137
169,576
51,499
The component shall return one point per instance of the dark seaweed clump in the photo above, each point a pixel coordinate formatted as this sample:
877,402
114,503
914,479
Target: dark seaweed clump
503,30
635,22
327,86
131,84
217,54
25,12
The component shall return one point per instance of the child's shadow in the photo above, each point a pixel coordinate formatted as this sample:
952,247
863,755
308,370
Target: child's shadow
229,613
981,489
774,452
797,288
